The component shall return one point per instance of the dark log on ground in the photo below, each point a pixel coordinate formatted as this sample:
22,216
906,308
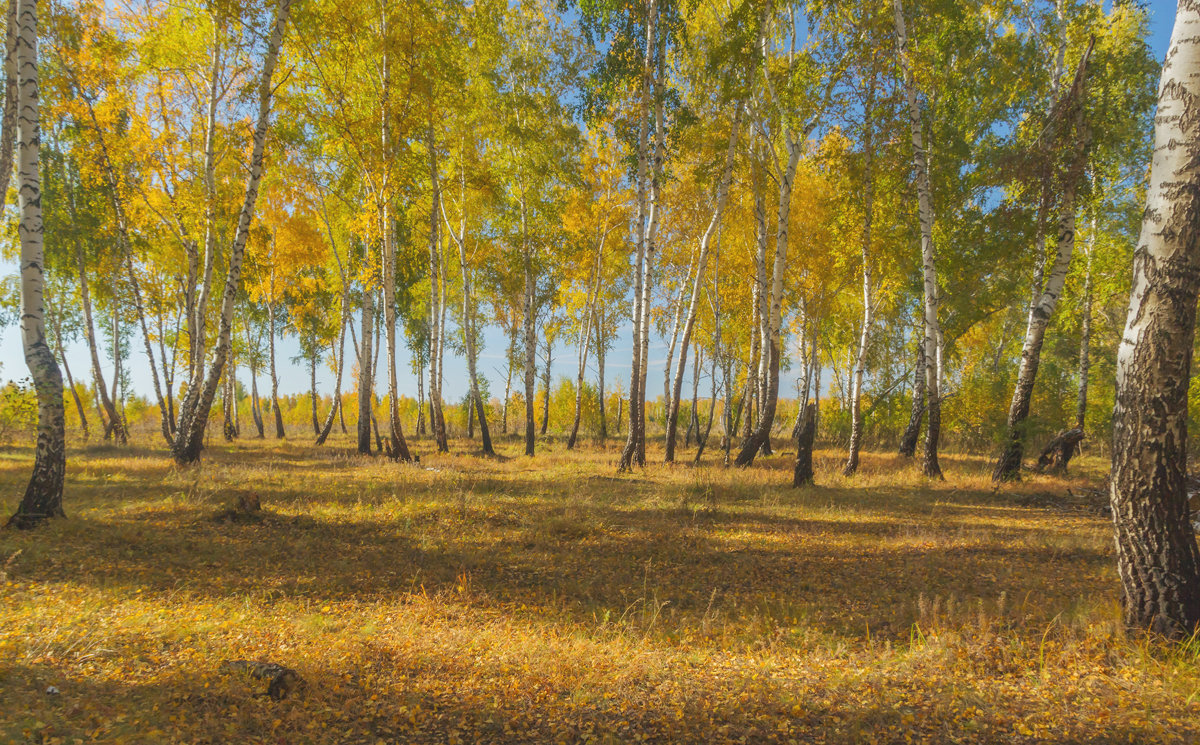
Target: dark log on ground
1059,451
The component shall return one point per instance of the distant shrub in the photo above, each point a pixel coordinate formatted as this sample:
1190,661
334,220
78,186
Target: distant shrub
18,410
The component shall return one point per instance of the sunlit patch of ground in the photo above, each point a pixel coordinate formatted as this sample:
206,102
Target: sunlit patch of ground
468,599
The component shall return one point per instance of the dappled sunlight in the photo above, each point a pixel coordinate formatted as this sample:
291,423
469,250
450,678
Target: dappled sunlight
554,598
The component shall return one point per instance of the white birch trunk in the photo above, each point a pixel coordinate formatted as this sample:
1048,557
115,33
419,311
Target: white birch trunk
697,284
860,360
1008,466
1157,557
930,464
44,493
195,410
641,269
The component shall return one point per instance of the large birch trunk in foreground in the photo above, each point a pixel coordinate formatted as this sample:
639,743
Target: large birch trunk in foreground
930,464
1157,557
196,407
44,493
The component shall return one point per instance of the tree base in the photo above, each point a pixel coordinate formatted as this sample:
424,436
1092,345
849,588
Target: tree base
1059,451
803,472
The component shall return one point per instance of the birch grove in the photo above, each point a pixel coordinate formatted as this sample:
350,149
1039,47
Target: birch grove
826,213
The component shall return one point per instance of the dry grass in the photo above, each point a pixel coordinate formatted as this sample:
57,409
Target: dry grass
551,600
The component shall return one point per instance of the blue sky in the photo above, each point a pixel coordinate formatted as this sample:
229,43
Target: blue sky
294,379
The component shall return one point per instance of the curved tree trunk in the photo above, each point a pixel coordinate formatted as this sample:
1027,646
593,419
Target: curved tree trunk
693,428
769,397
196,407
1008,466
117,201
546,385
600,354
112,426
1085,336
340,365
529,373
398,449
44,493
312,383
53,322
271,328
229,430
256,404
585,343
436,419
693,310
470,339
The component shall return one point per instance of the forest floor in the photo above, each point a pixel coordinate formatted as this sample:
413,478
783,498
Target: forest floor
467,599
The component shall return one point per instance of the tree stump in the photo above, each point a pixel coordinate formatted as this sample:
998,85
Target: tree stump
1059,451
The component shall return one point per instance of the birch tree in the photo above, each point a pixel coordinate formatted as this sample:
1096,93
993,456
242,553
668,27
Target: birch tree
43,497
1157,557
784,124
930,465
689,323
1068,110
195,408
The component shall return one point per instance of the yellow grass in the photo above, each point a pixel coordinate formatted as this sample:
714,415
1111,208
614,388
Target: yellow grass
552,600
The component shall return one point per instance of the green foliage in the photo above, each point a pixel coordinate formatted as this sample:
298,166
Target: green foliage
18,411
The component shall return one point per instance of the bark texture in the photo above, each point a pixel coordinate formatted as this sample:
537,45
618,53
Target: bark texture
1058,452
802,473
44,494
1157,556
